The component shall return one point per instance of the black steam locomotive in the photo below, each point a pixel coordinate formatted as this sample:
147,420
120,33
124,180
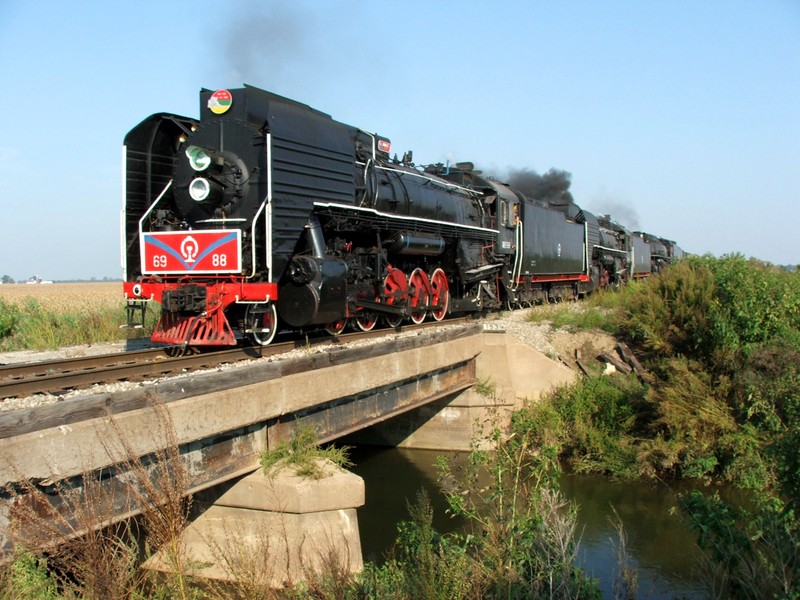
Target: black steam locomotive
266,211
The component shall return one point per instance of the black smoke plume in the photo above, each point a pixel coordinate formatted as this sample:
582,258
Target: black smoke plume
620,212
551,188
265,42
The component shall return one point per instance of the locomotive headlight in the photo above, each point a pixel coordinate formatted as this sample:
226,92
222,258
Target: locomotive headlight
199,159
199,189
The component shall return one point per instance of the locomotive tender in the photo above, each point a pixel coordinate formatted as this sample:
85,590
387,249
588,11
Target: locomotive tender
267,211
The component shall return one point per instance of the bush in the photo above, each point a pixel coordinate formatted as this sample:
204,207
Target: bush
752,553
9,317
670,313
756,303
592,423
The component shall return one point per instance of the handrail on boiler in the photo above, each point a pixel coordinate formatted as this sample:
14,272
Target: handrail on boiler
153,205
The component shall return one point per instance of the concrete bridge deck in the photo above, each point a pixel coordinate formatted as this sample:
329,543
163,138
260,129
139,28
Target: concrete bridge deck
220,422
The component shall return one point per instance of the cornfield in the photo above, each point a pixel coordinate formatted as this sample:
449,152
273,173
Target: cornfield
65,297
49,316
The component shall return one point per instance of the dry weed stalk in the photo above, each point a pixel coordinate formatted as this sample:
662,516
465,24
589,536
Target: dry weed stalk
329,578
558,542
72,522
626,581
158,486
247,560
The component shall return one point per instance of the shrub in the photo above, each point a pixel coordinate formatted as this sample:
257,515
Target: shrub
9,317
756,303
752,553
592,423
670,314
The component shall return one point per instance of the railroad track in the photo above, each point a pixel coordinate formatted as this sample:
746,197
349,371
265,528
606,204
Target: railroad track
59,376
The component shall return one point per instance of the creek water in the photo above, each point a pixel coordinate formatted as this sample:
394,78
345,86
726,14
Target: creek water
659,545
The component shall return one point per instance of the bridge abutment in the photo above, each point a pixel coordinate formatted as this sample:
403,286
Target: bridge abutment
508,373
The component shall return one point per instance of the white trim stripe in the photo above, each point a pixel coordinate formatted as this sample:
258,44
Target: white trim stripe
402,217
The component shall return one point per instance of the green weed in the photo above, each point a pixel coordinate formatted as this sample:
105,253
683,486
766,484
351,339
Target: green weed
301,454
486,388
27,577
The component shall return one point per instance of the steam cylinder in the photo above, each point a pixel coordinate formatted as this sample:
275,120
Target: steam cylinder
313,291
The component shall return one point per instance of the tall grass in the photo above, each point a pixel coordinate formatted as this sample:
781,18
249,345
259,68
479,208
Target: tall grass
78,551
36,325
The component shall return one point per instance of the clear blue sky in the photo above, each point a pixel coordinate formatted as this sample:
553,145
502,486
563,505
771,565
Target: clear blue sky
681,118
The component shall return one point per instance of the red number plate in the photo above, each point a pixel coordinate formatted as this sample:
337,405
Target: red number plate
217,251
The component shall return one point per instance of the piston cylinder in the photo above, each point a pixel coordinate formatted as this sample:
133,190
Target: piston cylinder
313,291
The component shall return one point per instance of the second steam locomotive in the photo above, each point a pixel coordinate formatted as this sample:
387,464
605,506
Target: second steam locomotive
266,211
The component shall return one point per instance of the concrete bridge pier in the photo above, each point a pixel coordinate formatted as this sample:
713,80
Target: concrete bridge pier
272,529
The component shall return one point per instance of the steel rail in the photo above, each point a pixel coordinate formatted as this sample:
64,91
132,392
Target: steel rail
60,375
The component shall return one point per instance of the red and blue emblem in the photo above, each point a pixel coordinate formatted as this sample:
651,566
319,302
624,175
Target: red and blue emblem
174,252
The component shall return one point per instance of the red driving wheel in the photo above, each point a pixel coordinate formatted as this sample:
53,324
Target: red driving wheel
395,291
419,295
440,294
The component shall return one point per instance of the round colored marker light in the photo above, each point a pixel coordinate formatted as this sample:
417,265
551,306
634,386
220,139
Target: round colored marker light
198,158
